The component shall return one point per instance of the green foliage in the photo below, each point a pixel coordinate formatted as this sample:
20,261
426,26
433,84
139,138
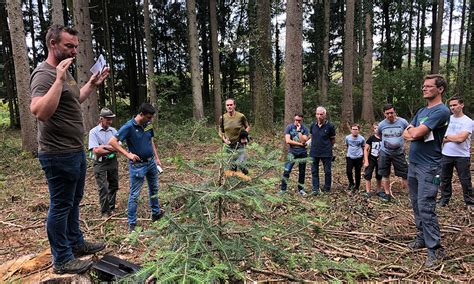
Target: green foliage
4,114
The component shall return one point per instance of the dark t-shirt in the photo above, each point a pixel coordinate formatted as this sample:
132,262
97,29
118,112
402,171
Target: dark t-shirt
321,145
374,147
233,125
427,150
294,135
138,138
63,132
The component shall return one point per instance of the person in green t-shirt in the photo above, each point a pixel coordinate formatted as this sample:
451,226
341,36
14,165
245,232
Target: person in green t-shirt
233,130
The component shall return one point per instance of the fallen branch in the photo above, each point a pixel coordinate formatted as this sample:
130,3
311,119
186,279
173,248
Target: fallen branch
288,276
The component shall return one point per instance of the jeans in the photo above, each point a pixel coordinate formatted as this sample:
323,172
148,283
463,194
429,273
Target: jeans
66,178
238,155
462,165
138,172
292,159
106,176
423,191
327,173
357,165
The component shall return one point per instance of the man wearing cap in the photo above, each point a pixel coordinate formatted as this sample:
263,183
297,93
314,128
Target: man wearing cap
105,161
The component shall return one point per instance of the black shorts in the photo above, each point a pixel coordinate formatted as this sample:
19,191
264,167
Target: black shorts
370,169
399,165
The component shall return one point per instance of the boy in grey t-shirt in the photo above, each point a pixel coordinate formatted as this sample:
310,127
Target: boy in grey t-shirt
355,154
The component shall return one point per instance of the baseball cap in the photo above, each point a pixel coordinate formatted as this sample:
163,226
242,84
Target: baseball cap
107,113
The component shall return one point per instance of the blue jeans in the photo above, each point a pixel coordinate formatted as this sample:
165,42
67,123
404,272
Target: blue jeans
292,159
423,193
327,173
66,178
462,165
138,172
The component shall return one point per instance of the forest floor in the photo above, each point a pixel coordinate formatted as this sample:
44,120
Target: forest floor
350,228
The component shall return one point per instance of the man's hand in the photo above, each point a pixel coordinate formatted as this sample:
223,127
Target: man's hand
61,69
226,140
158,162
132,157
366,164
98,78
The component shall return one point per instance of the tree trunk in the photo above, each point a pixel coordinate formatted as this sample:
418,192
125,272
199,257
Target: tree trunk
471,37
263,69
203,13
57,12
109,55
325,71
84,61
198,111
293,60
437,38
387,59
252,15
367,102
347,115
417,39
43,28
277,56
149,57
216,65
22,75
32,32
422,35
410,33
461,37
450,32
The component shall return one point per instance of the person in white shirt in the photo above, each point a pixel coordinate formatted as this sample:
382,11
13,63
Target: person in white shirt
457,153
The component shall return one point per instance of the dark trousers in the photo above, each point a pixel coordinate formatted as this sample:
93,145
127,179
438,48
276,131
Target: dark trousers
423,190
356,165
66,175
292,159
462,165
106,176
327,173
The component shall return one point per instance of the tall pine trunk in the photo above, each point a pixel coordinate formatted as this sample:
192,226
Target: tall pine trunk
263,69
216,65
22,75
437,38
198,111
84,61
367,101
325,72
149,57
347,114
57,12
293,59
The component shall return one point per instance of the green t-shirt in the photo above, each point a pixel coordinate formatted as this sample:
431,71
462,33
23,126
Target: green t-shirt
63,132
233,125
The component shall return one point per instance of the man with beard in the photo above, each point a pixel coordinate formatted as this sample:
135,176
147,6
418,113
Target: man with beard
426,132
56,103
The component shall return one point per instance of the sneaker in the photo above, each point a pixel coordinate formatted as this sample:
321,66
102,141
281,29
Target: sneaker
282,192
416,244
245,171
315,192
443,202
74,266
156,217
302,192
350,187
385,197
367,194
87,248
435,257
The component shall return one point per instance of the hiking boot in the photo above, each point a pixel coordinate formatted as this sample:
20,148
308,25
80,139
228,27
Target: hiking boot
350,187
156,217
281,192
367,194
435,257
131,227
302,192
74,266
385,197
315,192
87,248
416,244
245,171
443,202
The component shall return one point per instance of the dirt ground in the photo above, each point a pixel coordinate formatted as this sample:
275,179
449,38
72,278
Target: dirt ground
367,230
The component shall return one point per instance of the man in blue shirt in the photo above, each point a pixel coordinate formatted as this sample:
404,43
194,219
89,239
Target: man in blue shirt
138,134
105,161
426,132
296,135
323,137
